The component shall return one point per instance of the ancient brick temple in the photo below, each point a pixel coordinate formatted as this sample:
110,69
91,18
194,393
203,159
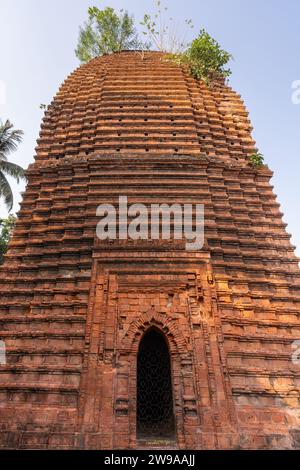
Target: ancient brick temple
142,343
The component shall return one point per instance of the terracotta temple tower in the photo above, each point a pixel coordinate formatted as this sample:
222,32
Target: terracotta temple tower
141,343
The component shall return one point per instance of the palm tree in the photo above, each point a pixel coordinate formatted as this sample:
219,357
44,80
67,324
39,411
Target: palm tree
9,140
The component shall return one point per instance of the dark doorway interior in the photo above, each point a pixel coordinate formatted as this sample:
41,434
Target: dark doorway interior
155,418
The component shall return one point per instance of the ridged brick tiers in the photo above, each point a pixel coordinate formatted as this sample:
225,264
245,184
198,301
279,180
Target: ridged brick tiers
73,308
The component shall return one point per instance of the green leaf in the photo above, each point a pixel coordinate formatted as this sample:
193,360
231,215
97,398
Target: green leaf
6,229
107,31
9,140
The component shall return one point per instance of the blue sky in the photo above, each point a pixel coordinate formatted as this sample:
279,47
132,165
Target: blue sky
38,39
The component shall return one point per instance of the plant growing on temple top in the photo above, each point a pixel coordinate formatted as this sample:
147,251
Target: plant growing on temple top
6,229
256,159
204,58
163,33
9,140
106,31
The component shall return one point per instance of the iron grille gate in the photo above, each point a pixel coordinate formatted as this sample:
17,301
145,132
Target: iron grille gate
155,416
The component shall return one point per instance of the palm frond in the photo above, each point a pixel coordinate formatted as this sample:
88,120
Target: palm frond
12,169
9,139
6,192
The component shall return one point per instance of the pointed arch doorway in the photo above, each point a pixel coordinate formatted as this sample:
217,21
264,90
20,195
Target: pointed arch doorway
155,414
